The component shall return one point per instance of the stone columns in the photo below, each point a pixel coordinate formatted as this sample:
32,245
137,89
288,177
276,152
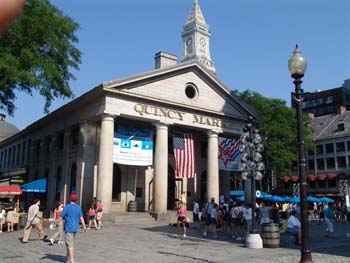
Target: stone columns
65,167
86,162
105,162
160,194
213,167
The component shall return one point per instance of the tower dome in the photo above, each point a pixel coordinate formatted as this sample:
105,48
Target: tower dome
6,129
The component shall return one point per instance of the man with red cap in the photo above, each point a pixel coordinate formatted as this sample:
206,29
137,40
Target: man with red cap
72,214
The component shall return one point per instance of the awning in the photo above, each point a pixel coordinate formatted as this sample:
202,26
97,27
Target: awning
331,175
286,179
10,190
295,178
311,177
38,186
321,177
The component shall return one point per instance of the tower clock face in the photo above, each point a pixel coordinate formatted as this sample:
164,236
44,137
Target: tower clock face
189,41
202,42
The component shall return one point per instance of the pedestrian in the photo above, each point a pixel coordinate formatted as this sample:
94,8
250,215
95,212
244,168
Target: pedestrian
99,214
264,214
181,219
72,214
57,222
33,220
92,217
208,208
248,217
10,217
294,226
329,219
195,211
214,219
239,221
2,219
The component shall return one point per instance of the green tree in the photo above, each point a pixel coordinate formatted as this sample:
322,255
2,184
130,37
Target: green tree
37,53
278,129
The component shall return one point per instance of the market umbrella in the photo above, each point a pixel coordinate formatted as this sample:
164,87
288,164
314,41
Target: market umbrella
38,186
326,199
312,199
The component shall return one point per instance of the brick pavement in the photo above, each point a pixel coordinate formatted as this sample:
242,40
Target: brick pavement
149,241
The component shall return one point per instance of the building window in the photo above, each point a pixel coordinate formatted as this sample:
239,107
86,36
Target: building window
75,136
60,139
10,156
117,183
341,162
340,147
73,179
23,151
18,153
311,164
341,127
348,145
138,192
191,91
13,155
312,184
319,149
332,183
320,164
321,184
329,148
330,163
1,157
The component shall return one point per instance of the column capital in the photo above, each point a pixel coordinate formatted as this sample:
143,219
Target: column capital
212,134
108,116
161,125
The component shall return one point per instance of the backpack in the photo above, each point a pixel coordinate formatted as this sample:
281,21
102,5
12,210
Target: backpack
240,216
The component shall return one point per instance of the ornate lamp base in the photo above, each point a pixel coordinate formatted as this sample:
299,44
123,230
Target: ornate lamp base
254,241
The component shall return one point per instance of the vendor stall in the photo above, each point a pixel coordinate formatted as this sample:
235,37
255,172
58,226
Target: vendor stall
8,193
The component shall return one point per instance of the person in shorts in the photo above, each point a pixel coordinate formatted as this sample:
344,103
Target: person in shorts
181,219
294,226
72,214
208,208
2,219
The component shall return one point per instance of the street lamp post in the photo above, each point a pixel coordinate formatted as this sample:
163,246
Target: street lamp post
251,164
297,66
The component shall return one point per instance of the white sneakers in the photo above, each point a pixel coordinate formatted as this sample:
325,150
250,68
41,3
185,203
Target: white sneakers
205,234
52,241
60,242
184,235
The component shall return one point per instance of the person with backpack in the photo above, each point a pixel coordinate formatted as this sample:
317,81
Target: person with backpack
240,212
208,209
214,221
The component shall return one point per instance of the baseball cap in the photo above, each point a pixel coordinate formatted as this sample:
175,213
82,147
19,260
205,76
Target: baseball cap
73,197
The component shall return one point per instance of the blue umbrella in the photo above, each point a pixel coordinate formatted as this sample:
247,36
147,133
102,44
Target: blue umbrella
237,193
326,199
293,200
38,186
275,198
312,199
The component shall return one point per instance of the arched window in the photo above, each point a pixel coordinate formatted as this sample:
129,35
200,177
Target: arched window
58,183
117,183
73,179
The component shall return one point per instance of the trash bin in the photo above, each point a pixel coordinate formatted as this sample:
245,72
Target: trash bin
132,206
23,221
270,235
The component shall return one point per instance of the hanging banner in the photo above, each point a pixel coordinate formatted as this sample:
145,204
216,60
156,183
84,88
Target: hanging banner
229,155
133,145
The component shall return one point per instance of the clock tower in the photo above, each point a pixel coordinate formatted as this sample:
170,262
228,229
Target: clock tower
195,37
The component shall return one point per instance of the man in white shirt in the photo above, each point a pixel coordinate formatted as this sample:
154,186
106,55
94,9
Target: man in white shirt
195,211
294,226
33,220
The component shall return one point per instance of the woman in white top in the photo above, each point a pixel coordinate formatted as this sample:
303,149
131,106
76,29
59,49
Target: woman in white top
2,219
248,217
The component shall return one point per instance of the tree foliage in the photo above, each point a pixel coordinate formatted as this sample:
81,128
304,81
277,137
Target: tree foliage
279,131
37,53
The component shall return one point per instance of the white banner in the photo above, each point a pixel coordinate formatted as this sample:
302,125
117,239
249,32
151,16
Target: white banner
133,145
229,155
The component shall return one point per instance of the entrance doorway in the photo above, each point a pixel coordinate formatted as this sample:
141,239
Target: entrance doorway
174,189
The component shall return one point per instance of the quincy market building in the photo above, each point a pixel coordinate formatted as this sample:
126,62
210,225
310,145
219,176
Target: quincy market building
84,147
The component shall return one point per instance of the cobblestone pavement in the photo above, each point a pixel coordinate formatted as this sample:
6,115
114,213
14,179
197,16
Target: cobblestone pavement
150,241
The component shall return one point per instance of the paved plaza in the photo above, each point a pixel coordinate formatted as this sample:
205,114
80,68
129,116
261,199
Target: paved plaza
141,239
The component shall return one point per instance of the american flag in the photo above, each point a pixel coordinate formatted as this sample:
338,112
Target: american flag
183,145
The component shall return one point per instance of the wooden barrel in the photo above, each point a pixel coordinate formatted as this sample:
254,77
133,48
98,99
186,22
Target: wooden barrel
270,235
132,206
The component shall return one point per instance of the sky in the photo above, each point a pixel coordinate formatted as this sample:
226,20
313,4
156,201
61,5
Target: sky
251,42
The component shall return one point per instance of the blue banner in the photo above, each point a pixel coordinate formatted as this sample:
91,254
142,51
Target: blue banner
133,145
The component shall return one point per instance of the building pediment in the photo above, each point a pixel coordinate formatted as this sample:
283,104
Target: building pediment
185,86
